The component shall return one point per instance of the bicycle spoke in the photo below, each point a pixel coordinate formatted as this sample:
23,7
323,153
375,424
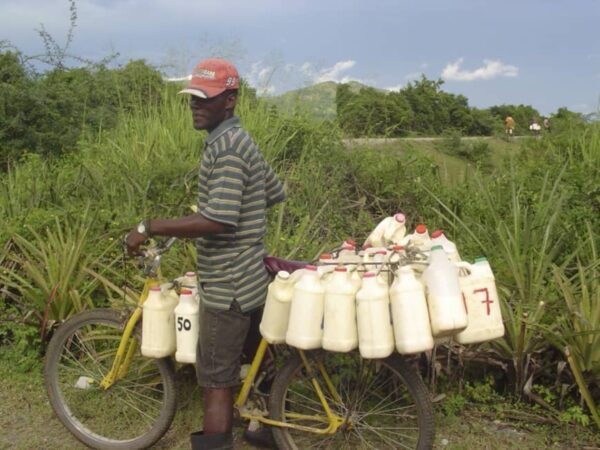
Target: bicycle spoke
131,408
375,406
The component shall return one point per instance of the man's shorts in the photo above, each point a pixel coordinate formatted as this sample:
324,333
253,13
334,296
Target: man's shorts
220,346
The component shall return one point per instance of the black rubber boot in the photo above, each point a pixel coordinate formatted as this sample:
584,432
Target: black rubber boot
200,441
262,438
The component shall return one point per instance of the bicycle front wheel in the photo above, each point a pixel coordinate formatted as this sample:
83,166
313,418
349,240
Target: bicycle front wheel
383,404
135,412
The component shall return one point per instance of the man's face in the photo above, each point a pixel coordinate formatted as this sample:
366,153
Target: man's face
208,113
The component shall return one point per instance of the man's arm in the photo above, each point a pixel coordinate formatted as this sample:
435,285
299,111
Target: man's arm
192,226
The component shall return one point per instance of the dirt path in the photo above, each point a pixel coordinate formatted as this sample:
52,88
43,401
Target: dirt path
391,141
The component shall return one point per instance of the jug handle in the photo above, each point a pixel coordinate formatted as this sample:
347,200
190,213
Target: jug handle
464,266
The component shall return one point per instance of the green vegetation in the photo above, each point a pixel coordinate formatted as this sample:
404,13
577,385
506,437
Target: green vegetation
82,165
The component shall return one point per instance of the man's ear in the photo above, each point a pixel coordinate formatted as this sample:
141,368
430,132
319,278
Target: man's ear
231,101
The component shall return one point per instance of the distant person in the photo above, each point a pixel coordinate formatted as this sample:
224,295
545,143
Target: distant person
546,124
509,126
535,127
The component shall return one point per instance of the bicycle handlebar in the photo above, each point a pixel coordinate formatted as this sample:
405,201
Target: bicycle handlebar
151,256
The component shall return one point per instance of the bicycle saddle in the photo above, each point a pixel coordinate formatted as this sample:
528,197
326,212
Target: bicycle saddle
274,265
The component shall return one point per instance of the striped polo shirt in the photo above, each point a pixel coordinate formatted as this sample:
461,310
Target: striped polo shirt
235,187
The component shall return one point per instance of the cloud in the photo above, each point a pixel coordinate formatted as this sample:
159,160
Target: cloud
491,69
396,88
261,78
333,73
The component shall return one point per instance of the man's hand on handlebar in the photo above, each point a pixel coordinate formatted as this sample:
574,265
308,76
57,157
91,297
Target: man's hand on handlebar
133,241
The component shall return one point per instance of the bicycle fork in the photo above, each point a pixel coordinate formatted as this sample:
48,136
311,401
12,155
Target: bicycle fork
128,344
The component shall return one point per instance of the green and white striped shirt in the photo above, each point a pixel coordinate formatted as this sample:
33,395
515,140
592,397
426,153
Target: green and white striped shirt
235,187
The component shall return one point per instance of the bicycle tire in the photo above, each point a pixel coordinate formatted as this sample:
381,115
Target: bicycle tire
134,413
364,387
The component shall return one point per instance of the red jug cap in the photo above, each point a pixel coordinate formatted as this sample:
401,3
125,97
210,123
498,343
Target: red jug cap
186,292
325,256
310,267
369,275
341,269
437,234
421,228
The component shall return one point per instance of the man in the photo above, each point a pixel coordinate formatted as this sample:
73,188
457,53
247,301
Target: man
235,186
509,126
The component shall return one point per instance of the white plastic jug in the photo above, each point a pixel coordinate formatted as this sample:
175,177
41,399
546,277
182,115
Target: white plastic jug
444,297
339,320
355,277
274,323
189,280
410,317
158,324
380,258
420,238
348,254
187,326
375,238
397,253
482,303
395,230
439,238
306,312
326,265
390,228
375,334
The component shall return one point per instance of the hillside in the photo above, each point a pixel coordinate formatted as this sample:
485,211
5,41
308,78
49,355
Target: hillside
318,99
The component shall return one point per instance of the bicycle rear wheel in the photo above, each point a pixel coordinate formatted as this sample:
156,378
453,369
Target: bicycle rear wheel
135,412
384,404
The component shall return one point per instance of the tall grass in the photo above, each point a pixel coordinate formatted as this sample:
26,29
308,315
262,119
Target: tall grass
146,166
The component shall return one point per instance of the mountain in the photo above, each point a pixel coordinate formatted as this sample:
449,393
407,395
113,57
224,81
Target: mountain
318,100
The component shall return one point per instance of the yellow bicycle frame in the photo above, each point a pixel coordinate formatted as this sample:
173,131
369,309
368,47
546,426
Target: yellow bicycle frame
334,421
128,345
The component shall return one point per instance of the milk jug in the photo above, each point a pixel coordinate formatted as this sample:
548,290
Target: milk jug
355,277
375,239
482,302
410,318
339,320
389,228
276,314
380,258
420,238
326,265
187,326
158,324
348,254
395,230
439,238
397,254
306,311
375,334
189,280
444,298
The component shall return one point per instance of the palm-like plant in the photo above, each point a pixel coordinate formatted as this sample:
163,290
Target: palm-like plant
522,239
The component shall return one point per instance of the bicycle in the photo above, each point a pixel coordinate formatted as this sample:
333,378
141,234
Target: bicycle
111,397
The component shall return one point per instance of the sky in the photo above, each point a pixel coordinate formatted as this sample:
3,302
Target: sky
544,53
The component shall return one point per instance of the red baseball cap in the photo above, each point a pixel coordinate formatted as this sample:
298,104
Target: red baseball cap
212,77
